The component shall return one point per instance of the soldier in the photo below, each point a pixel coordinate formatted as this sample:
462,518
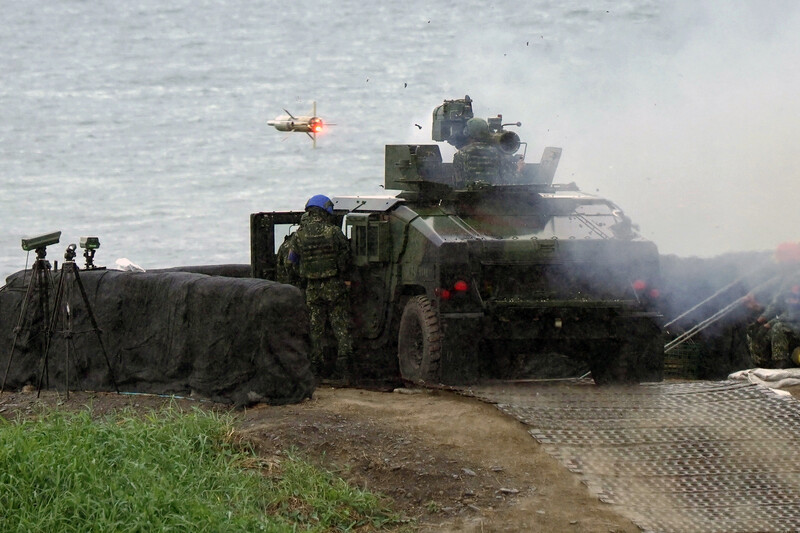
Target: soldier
320,253
478,161
482,160
779,335
782,319
758,337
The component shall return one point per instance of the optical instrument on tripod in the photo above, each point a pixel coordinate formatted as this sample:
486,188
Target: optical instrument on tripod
62,312
90,246
39,283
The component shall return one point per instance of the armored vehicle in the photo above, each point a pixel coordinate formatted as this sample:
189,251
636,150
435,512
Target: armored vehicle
460,277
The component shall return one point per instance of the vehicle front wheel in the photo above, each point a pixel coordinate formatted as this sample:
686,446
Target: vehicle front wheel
419,342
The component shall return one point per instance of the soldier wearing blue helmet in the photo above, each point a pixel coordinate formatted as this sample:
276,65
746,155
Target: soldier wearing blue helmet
320,254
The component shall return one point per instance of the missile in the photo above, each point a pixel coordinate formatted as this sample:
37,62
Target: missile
290,122
310,125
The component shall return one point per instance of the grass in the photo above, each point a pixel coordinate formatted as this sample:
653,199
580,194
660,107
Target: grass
167,471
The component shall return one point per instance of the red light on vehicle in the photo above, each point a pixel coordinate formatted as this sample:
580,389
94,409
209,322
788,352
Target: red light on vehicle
655,293
460,286
639,285
444,294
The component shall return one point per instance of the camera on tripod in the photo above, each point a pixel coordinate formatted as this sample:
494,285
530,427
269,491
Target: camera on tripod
90,246
40,242
90,243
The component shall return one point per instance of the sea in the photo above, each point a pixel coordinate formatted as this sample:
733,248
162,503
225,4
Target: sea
144,123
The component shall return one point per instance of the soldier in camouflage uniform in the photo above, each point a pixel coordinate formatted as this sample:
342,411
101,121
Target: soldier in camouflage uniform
774,338
759,344
320,254
479,161
782,320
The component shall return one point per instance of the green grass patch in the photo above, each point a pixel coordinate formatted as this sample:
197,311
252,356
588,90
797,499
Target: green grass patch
166,471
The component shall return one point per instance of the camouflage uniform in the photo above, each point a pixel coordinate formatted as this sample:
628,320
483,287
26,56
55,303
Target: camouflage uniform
321,255
785,326
785,335
782,321
477,161
759,344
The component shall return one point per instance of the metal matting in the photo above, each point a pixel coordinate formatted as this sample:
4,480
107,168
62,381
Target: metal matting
693,457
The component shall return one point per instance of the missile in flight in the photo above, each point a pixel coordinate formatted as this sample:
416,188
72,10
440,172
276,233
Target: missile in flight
310,125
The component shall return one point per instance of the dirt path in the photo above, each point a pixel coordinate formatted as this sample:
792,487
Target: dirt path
451,463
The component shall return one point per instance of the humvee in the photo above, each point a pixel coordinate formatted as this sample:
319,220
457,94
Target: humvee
457,281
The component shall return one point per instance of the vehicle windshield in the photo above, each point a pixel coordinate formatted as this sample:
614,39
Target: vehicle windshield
532,216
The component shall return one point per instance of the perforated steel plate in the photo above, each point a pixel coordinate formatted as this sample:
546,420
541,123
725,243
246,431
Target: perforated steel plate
679,457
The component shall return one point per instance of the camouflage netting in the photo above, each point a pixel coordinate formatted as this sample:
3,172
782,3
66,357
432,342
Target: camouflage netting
232,340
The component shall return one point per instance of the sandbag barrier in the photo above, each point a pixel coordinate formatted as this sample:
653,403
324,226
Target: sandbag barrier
232,340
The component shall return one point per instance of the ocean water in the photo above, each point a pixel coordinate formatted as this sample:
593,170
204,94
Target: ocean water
144,123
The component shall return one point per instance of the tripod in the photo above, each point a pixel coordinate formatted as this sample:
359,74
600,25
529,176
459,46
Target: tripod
40,283
69,268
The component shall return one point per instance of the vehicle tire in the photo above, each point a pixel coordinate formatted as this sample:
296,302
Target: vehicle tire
419,341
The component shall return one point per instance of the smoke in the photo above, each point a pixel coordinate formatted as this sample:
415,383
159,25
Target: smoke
684,114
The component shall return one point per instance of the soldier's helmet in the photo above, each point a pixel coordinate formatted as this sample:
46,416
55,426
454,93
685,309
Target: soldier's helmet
321,201
477,129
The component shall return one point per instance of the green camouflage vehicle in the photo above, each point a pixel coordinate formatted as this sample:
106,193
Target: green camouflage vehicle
460,280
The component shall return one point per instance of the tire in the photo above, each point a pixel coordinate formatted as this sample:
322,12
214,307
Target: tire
419,342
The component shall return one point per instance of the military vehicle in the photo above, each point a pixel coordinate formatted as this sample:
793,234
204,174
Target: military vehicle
458,279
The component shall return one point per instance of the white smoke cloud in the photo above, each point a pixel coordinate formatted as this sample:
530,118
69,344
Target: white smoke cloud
704,159
685,114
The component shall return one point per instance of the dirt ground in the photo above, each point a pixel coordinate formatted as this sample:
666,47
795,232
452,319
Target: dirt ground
449,463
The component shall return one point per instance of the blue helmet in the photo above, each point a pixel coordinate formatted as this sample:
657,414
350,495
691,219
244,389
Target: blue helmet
321,201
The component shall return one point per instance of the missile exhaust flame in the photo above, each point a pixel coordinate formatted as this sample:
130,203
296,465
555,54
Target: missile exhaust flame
311,125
